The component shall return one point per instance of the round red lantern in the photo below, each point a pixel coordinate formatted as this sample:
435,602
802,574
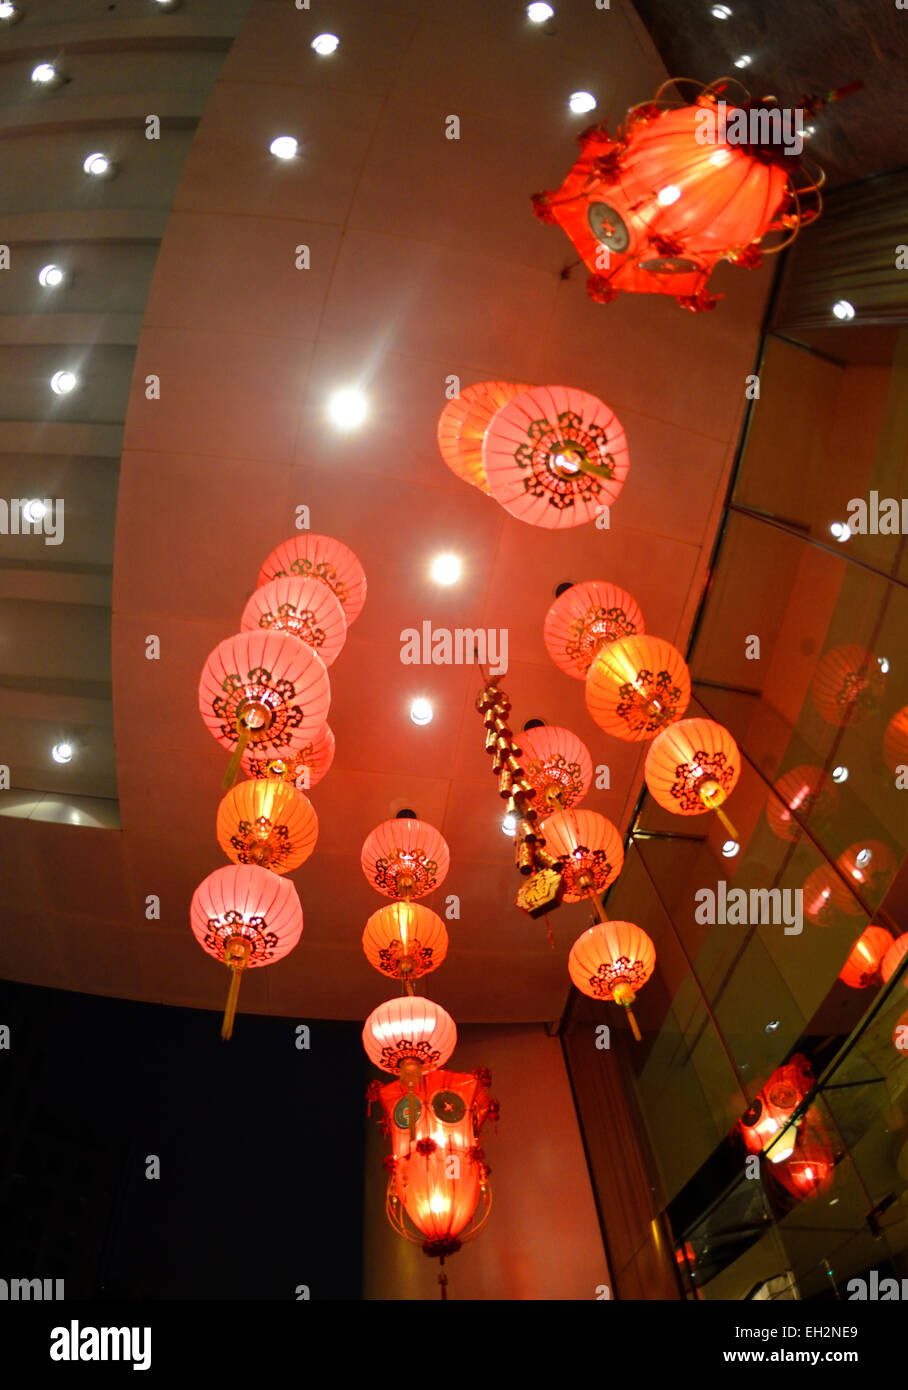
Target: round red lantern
409,1033
304,768
267,822
583,619
802,793
808,1171
557,766
463,423
589,851
764,1125
325,559
555,457
824,895
405,941
862,967
848,685
405,858
637,686
613,961
869,865
245,916
893,959
305,608
692,767
895,741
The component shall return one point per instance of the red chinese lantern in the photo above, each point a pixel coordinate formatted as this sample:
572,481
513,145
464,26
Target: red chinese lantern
555,457
765,1125
824,895
463,423
325,559
268,823
848,685
692,767
653,211
805,791
808,1171
305,608
245,916
589,851
557,766
405,941
895,741
583,619
863,964
869,865
304,768
893,959
405,858
439,1194
636,687
408,1036
265,689
613,961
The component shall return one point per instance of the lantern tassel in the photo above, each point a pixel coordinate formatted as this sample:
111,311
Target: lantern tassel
443,1280
726,822
634,1027
233,767
233,994
600,910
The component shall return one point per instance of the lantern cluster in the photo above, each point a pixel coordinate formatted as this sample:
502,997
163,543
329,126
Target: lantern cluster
439,1193
551,456
264,695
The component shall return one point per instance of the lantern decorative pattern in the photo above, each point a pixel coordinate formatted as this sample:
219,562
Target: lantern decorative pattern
405,940
802,792
654,210
557,766
555,457
692,767
304,608
265,689
325,559
637,686
303,768
589,851
463,423
848,685
409,1029
613,961
405,858
862,968
895,741
268,823
583,619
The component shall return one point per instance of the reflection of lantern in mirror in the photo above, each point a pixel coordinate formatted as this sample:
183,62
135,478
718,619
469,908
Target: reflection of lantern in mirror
798,796
405,858
613,961
862,967
893,959
808,1170
848,685
895,742
764,1126
305,608
583,618
824,897
692,767
869,866
589,851
323,558
558,767
462,426
637,686
304,768
268,823
405,941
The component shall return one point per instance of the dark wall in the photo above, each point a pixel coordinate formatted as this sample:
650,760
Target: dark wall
261,1149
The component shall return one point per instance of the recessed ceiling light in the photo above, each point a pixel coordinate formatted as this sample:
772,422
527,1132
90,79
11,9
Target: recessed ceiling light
773,1025
669,194
63,382
446,569
863,857
99,165
284,146
810,130
62,752
538,13
421,711
50,275
34,510
348,408
720,12
325,43
883,664
581,102
45,75
833,1202
169,4
841,530
509,824
843,309
744,61
840,773
730,848
9,11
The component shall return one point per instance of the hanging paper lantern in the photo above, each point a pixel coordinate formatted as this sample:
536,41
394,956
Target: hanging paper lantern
848,685
245,916
895,741
405,858
637,686
462,426
265,689
863,964
409,1033
325,559
765,1124
809,1169
893,959
692,767
405,940
557,766
583,619
303,769
268,823
824,896
438,1191
589,851
653,211
305,608
555,457
869,865
806,791
613,961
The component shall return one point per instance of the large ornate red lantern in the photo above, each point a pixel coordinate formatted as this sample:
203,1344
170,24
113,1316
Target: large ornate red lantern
654,211
848,685
589,851
862,968
304,768
555,457
408,1036
801,793
613,961
325,559
583,618
267,822
245,917
405,858
306,608
637,686
692,767
463,423
895,741
405,941
558,767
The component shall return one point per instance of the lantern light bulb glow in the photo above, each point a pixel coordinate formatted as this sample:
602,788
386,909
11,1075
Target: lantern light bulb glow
669,194
509,824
